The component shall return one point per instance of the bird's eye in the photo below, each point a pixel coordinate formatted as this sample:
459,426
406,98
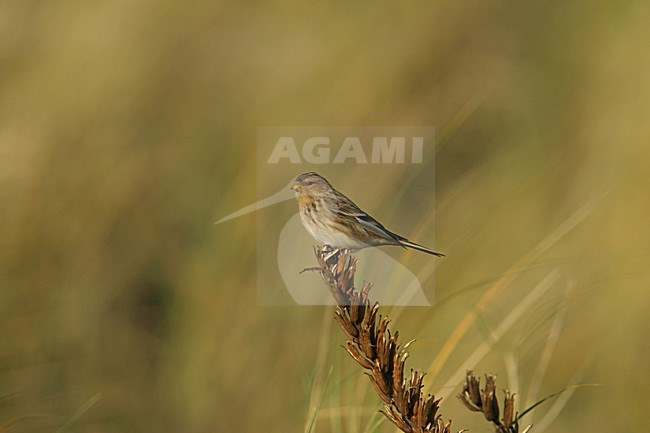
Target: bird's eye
309,182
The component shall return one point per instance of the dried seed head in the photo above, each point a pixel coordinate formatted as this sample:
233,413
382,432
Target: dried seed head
490,405
484,400
376,350
508,408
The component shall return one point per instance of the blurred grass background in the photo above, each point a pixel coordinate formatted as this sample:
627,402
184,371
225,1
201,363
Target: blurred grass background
128,127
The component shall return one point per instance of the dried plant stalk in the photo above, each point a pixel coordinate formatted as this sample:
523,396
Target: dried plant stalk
372,345
485,401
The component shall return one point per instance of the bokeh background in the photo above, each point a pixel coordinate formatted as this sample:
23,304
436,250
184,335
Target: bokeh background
128,127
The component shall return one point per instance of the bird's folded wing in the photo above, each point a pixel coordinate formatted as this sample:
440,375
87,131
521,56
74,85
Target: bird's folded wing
368,223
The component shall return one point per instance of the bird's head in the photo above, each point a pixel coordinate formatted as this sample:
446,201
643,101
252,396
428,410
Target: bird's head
311,184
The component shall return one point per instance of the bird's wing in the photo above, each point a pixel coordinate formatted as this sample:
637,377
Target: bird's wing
348,209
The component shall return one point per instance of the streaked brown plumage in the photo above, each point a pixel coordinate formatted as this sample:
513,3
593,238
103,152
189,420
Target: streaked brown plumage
334,220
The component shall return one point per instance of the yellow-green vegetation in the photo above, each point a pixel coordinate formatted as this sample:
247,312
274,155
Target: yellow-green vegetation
128,127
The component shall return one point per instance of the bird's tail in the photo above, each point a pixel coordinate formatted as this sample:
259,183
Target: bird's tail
409,244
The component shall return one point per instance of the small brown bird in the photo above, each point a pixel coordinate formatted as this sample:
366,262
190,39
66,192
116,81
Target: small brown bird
334,220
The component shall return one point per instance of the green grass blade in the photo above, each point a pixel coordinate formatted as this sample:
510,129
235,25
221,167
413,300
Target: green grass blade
80,412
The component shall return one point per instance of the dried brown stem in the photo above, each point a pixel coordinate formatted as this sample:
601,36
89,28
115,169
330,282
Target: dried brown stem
372,345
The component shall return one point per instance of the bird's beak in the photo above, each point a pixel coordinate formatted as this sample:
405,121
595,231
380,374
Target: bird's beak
295,187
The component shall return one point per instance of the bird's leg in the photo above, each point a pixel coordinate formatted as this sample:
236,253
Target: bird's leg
329,251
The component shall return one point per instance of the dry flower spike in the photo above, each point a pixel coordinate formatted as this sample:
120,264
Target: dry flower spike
485,401
372,345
